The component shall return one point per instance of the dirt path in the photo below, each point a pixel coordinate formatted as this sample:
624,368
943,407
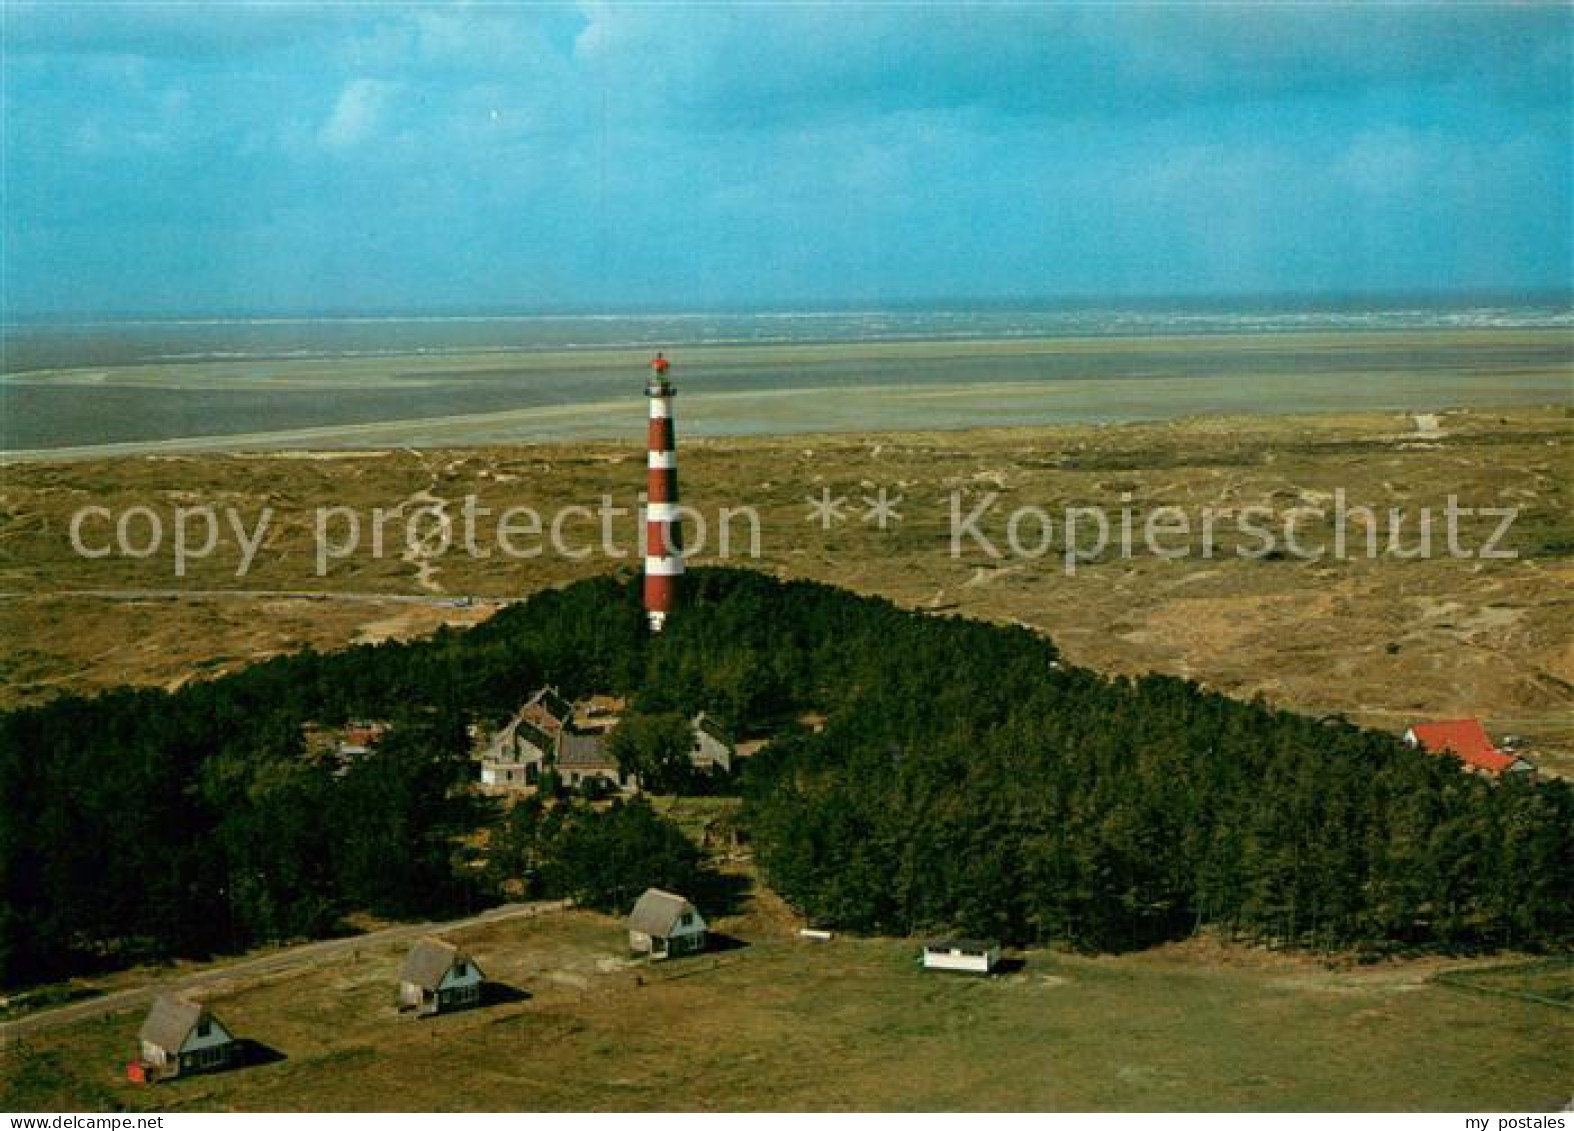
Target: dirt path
293,958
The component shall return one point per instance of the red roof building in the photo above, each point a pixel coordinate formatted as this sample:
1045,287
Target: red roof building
1467,740
365,734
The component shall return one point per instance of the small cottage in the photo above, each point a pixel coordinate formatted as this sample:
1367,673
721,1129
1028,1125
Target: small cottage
179,1037
664,925
438,977
970,956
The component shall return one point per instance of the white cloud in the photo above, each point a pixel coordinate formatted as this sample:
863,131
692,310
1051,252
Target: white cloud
356,114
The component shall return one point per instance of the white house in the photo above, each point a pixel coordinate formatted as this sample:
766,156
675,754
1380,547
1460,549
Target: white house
712,746
182,1036
542,736
437,977
664,925
518,754
967,955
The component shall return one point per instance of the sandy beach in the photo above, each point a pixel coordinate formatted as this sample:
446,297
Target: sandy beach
461,399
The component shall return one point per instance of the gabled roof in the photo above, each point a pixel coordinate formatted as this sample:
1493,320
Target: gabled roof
170,1021
550,704
1467,740
505,745
585,752
429,960
704,723
657,912
527,733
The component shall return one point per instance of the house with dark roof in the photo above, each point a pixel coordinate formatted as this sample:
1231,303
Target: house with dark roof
1467,740
438,977
543,736
546,734
181,1036
664,925
582,758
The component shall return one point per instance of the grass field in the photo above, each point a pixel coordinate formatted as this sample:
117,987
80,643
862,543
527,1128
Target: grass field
1382,641
852,1024
1546,980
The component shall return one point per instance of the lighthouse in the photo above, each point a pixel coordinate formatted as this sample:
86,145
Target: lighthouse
663,531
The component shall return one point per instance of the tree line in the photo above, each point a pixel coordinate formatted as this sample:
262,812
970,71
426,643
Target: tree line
966,779
923,773
144,824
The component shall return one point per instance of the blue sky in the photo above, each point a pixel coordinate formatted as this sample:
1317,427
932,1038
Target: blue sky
266,157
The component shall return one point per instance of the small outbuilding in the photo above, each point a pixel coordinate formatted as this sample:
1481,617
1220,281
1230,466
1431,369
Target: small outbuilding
179,1037
970,956
439,977
664,925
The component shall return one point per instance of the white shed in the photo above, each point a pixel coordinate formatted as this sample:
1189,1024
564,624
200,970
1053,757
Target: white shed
971,956
664,925
712,747
437,977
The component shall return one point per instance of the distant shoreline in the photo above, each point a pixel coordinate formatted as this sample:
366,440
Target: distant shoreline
490,399
306,444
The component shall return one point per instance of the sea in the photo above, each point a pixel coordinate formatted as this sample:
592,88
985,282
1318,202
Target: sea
378,378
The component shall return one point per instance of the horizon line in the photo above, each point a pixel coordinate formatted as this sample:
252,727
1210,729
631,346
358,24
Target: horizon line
1047,303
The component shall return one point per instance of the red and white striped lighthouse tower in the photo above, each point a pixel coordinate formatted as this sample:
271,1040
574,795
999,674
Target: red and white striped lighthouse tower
663,530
